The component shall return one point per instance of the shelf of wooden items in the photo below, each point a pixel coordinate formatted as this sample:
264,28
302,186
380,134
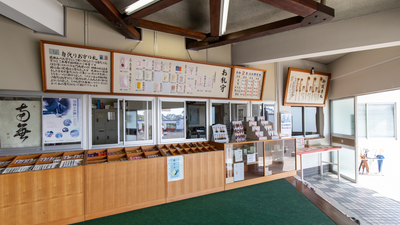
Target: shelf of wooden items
88,184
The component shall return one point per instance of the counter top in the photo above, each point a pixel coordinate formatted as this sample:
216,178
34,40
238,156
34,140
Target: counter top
315,149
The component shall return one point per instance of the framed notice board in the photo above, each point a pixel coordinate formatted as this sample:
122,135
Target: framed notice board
148,75
74,68
306,89
247,83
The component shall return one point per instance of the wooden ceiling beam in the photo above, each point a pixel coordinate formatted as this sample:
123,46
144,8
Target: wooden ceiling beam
164,28
302,8
162,4
256,32
108,10
215,15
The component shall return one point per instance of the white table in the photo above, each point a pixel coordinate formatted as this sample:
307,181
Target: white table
319,150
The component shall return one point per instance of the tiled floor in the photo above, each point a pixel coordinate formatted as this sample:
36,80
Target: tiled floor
354,200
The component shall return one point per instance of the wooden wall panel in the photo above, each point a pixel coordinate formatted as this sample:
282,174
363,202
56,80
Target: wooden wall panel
203,174
150,179
106,186
117,185
344,141
42,196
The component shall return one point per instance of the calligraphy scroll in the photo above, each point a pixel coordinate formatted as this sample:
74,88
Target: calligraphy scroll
20,124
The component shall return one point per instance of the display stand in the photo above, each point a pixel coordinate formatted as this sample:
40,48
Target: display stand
238,134
219,133
254,131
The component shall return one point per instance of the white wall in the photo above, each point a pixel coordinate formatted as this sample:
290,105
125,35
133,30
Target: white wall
20,63
372,31
365,72
269,81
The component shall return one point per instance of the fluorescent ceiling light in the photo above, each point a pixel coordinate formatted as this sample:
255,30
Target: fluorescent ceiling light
139,5
224,16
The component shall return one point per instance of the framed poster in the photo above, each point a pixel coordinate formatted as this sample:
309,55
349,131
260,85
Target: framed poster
74,68
247,83
149,75
306,89
61,120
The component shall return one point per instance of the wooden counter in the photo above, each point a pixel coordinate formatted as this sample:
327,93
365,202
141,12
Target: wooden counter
48,196
102,186
204,174
113,188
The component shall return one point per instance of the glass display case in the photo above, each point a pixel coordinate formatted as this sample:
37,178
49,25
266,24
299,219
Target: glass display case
253,159
244,161
280,156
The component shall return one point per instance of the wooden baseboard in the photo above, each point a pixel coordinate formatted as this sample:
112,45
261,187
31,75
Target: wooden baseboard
195,194
72,220
259,180
124,209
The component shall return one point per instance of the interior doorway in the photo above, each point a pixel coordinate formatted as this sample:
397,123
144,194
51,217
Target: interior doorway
378,144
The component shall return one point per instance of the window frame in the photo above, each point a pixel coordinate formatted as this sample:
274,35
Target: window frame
160,140
367,135
119,143
230,102
304,120
263,104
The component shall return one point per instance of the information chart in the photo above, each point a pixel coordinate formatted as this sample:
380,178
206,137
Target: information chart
306,89
247,83
135,74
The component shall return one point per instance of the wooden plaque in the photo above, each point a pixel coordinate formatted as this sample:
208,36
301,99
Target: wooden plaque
74,68
305,89
247,83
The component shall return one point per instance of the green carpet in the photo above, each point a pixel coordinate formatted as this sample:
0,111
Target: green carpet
275,202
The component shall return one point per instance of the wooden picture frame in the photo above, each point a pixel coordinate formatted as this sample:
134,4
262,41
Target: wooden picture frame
175,77
241,87
90,71
306,89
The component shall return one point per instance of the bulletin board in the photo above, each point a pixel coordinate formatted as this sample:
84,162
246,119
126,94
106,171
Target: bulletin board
306,89
247,83
145,75
73,68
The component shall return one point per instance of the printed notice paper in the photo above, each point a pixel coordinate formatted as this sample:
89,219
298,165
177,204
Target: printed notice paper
238,155
238,169
175,168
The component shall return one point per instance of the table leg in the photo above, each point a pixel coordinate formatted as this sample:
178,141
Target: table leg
301,167
338,164
320,164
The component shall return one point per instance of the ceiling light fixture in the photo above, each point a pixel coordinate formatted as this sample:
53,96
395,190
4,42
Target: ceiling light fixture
224,16
141,4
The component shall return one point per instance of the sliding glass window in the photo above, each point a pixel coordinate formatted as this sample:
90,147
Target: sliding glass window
183,119
172,120
305,121
376,120
124,121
